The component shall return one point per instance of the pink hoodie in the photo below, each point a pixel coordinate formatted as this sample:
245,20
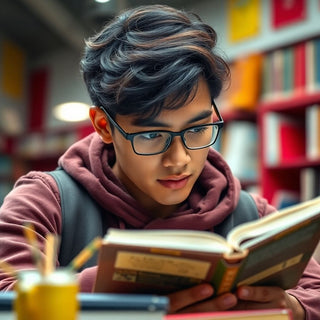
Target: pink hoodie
35,198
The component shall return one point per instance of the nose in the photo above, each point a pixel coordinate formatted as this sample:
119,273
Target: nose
177,154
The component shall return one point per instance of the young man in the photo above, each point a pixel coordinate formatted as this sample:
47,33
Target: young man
152,74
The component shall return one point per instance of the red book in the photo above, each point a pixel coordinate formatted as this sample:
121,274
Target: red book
299,67
292,140
266,314
286,12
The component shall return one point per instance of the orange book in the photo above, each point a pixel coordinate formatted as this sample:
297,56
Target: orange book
246,82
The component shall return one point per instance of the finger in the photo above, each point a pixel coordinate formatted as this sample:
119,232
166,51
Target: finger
259,294
221,303
184,298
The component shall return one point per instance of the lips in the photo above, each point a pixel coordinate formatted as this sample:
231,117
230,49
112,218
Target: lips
175,182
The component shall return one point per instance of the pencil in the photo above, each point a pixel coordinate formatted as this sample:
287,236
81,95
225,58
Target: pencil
86,253
8,269
50,253
30,235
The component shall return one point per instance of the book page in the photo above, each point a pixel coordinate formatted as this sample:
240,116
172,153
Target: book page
248,234
170,239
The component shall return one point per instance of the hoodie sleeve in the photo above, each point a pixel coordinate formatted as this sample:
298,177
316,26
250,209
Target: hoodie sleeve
35,199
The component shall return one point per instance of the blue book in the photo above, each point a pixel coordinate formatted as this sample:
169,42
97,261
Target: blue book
95,306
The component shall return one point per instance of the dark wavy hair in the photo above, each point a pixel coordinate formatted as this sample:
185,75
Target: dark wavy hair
150,58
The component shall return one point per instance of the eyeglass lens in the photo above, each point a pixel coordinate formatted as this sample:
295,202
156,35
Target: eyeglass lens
159,141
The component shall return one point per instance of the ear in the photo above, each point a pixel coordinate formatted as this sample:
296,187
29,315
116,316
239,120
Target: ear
101,124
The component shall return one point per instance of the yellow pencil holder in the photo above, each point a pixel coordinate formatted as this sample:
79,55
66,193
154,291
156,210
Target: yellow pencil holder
49,297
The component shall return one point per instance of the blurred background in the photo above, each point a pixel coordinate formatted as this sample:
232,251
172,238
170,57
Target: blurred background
41,42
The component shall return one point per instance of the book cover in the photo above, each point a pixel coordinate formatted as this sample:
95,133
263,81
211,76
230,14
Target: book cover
254,253
292,139
267,314
287,12
246,77
244,89
239,11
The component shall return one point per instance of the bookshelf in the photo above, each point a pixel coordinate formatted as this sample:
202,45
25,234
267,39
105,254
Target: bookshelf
239,145
288,83
284,174
237,105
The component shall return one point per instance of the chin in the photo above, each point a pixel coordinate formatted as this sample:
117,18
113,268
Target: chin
173,199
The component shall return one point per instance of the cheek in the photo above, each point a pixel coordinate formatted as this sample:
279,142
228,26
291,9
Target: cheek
199,158
137,167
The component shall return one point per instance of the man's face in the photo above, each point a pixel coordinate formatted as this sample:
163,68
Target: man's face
165,179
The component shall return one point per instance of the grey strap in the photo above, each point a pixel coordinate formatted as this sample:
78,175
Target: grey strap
245,211
81,218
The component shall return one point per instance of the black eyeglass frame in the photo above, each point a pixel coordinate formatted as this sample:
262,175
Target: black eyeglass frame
130,136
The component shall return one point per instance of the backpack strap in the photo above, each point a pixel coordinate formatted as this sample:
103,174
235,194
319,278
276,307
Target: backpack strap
82,218
245,211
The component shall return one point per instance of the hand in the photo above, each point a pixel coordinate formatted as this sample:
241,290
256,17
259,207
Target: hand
197,299
268,298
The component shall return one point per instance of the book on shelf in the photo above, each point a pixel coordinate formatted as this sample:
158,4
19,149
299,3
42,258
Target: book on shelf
309,183
291,71
313,132
265,314
283,198
313,65
266,89
239,149
289,78
292,139
317,63
273,250
284,138
299,67
96,306
244,89
277,73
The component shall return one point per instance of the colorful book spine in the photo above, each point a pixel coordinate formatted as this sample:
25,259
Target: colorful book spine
313,132
299,67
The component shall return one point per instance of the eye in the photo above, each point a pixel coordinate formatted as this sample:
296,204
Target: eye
150,135
198,130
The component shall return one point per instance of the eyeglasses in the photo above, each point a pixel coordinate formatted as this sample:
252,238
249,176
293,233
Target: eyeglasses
147,143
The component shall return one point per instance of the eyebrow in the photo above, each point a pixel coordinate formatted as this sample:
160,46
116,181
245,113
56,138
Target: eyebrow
154,123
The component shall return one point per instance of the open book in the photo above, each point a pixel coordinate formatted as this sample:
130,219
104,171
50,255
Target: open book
273,250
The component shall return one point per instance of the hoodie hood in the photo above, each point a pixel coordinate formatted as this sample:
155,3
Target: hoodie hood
213,198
